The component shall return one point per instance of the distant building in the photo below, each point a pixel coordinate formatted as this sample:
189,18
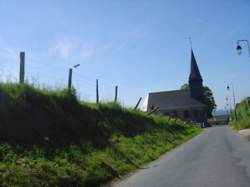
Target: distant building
184,104
219,119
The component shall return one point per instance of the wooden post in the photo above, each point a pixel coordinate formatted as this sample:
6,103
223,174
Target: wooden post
22,67
116,92
137,104
154,110
97,92
70,78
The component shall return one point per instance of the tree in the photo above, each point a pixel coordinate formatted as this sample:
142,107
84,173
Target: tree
185,86
208,98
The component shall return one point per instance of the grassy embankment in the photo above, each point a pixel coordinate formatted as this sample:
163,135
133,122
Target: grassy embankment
50,138
243,115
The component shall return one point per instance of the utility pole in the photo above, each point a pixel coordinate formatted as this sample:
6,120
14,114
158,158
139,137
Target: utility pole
116,93
229,104
97,92
22,67
70,78
228,88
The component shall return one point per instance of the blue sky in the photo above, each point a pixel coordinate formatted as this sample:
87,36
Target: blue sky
140,45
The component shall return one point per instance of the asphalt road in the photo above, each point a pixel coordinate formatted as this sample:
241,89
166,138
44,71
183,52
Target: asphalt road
218,157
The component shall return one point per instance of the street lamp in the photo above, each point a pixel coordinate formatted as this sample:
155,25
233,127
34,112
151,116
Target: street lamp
70,75
230,85
229,104
75,66
239,48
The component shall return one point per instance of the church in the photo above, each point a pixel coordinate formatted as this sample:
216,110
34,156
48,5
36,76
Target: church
185,104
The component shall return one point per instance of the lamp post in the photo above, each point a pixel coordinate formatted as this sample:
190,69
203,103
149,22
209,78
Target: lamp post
239,48
70,75
230,85
229,104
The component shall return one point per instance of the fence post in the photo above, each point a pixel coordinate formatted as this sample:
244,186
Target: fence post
22,67
97,92
154,110
116,93
137,104
70,78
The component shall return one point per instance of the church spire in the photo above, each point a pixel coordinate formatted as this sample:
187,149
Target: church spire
195,80
194,70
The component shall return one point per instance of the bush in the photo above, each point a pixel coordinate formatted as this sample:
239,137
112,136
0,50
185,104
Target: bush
243,115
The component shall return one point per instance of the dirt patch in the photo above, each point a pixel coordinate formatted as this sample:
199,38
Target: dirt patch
245,132
248,137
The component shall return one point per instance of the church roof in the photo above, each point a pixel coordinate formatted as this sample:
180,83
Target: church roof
194,71
172,100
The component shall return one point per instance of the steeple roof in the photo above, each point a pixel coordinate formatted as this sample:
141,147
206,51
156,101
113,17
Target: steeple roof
194,70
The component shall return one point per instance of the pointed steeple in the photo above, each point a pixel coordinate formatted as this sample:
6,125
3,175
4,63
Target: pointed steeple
194,70
195,80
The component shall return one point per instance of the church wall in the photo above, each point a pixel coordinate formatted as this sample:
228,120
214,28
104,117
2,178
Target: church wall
188,114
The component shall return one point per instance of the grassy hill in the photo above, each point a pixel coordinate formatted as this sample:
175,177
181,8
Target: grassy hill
50,138
243,115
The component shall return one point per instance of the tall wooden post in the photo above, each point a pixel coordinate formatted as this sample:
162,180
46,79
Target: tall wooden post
97,92
70,78
22,67
116,93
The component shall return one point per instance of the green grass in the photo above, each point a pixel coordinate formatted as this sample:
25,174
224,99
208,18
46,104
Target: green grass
243,115
50,138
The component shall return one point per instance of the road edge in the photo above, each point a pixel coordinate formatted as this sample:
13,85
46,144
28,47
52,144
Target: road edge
151,163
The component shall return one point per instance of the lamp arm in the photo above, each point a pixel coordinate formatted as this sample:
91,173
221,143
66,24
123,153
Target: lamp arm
248,47
238,41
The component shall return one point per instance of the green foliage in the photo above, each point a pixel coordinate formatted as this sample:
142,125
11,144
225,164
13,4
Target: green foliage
50,138
208,100
185,86
242,118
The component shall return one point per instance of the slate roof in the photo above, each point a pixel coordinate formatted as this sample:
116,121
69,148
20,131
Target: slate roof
172,100
194,70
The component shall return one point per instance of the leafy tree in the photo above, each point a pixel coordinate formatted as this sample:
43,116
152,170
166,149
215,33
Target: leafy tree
185,86
208,98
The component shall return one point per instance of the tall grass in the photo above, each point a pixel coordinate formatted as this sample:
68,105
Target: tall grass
243,115
50,138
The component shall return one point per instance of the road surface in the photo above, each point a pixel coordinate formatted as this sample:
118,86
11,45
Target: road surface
218,157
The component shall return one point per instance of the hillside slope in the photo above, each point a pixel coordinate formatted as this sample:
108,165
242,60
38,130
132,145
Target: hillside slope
50,138
243,115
